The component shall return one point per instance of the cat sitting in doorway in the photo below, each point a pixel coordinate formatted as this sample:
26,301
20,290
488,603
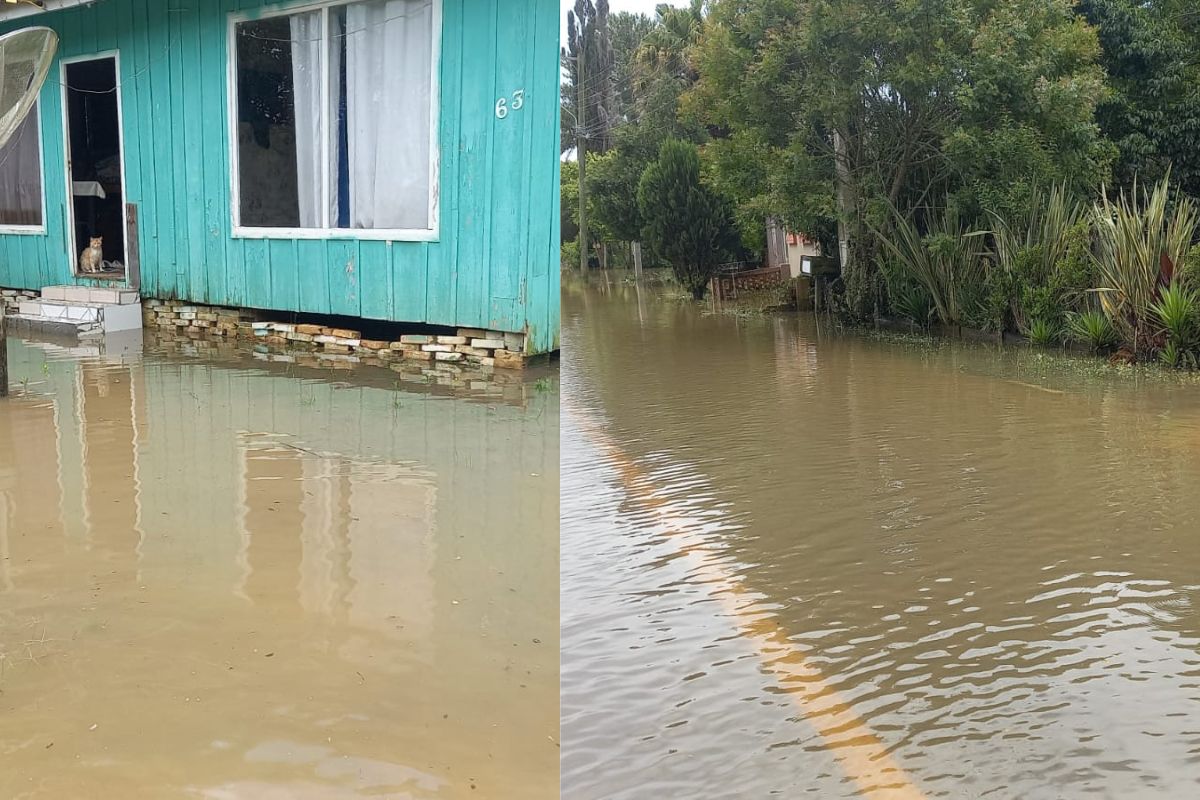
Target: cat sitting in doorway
91,259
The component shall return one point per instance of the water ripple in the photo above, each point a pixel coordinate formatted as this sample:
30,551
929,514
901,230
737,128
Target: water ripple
801,564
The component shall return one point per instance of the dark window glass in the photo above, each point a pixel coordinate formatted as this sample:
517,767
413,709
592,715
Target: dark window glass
21,175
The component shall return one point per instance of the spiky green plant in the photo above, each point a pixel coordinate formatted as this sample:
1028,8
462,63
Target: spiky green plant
1041,227
1093,329
1170,355
1175,311
1043,332
947,261
1141,237
1031,245
910,300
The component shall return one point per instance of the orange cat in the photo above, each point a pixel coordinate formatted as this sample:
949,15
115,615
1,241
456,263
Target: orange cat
91,258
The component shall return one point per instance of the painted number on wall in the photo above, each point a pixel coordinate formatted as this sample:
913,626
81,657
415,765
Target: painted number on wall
503,106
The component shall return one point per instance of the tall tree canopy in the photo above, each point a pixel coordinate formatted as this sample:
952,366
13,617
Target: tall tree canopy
846,107
587,113
1153,114
651,71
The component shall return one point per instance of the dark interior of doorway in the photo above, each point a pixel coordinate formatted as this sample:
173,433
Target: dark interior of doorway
98,194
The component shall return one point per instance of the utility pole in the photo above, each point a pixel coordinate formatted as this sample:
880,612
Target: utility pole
581,148
845,198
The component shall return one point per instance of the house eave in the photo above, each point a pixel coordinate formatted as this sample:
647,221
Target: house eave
9,10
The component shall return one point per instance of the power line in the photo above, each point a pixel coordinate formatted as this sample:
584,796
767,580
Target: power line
360,29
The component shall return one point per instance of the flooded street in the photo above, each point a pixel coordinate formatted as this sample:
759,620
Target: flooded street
796,564
221,578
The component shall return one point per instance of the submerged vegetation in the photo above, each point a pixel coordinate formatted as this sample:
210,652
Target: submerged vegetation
1104,277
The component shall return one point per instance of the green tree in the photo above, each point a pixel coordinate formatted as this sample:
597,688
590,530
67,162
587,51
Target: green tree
613,179
626,33
1153,114
650,58
686,223
838,110
587,88
665,50
569,191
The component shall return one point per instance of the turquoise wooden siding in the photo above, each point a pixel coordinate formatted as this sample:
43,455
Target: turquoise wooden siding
496,262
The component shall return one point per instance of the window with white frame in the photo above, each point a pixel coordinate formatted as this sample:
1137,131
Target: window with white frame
21,176
334,110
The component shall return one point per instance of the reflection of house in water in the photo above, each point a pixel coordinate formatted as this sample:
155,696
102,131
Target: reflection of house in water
339,538
30,493
108,464
312,559
151,486
795,359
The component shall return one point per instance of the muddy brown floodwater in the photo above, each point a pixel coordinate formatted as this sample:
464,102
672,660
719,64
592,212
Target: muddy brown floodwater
224,580
802,565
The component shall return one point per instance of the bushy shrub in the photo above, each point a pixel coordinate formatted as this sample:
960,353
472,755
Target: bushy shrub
1189,270
569,254
686,223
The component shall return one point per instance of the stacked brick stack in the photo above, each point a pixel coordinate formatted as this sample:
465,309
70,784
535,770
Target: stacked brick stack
473,348
12,299
192,321
467,346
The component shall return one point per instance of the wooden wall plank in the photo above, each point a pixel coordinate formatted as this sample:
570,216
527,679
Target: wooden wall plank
507,166
284,277
439,286
410,268
375,279
476,116
256,260
216,159
314,286
163,272
190,196
343,267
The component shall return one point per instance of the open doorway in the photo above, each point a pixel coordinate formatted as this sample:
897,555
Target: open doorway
95,168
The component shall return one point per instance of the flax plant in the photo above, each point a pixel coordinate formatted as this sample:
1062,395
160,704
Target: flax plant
947,261
1141,239
1030,245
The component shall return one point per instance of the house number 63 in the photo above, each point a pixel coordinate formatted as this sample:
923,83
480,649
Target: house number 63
518,102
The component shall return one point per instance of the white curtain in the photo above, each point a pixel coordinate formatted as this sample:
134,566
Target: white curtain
389,60
308,47
21,176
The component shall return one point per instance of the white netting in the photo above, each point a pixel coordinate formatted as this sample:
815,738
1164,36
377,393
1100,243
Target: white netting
25,58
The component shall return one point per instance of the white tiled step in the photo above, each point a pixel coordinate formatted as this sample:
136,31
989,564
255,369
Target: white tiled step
107,317
60,312
89,294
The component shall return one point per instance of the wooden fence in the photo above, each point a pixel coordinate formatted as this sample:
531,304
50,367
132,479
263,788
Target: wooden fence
729,284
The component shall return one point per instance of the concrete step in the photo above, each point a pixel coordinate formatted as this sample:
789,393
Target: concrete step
90,294
85,316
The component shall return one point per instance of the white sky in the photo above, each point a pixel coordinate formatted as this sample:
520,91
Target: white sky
637,6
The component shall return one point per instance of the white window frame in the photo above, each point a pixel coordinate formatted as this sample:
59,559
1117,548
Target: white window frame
430,234
34,230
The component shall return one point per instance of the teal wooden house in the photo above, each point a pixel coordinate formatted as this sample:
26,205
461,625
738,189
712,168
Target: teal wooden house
380,159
